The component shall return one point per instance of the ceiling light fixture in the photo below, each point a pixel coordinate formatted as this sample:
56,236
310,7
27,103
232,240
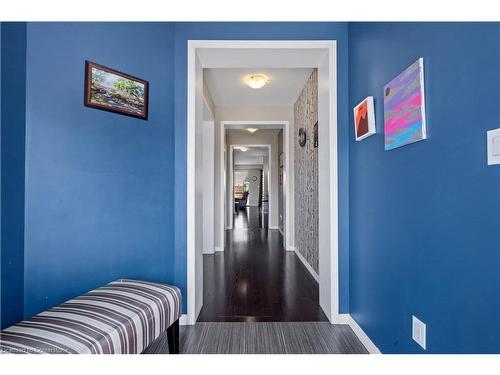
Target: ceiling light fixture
256,81
244,149
252,130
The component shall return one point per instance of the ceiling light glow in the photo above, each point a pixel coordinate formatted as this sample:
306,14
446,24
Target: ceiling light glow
256,81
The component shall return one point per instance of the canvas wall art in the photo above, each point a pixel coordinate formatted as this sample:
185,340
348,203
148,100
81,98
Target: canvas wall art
364,119
404,107
316,134
113,91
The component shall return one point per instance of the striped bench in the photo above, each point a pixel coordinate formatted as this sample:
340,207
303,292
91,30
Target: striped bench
122,317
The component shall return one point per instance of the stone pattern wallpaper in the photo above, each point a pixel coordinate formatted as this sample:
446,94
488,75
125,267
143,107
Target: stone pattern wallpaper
281,211
306,173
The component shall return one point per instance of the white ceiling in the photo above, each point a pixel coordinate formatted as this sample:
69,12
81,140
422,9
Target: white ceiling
254,155
252,151
228,89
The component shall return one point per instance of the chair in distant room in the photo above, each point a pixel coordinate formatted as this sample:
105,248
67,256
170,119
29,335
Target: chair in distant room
241,203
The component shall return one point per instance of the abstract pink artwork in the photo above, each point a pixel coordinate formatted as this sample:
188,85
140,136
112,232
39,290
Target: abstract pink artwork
404,107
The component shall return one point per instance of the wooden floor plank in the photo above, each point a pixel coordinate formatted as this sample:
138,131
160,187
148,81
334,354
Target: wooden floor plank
255,279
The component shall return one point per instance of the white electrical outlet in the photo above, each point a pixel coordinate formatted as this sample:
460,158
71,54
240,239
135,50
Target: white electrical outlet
418,331
493,139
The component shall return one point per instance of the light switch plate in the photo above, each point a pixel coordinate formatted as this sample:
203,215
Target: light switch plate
418,331
493,139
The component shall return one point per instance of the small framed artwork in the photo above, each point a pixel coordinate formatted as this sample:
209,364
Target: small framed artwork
302,137
316,134
404,107
114,91
364,119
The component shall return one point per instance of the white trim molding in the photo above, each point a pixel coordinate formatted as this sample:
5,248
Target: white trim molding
183,321
313,273
344,319
362,336
287,146
320,54
229,195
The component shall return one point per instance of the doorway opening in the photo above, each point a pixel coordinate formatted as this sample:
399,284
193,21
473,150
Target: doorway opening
250,186
255,279
251,55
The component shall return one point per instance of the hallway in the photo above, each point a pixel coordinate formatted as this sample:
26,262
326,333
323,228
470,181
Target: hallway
251,218
255,279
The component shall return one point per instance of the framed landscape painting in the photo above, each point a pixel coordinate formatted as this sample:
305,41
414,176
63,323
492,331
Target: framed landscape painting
404,107
364,119
111,90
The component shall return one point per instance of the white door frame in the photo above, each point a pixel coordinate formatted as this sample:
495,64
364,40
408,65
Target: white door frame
320,54
231,174
208,199
285,125
209,154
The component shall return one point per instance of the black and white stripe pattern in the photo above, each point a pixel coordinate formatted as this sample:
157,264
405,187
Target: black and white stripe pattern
123,317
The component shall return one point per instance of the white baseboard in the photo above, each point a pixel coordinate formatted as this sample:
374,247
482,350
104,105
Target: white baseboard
218,248
362,336
275,228
307,265
183,320
208,252
344,319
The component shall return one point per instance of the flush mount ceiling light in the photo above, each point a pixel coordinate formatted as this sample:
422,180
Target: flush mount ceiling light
256,81
252,130
244,149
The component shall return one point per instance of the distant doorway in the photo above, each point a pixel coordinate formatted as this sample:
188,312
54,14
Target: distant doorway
251,184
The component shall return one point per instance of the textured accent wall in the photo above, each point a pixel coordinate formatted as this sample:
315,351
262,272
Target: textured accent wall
306,173
281,211
254,187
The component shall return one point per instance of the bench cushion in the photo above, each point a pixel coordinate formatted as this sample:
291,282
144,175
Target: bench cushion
122,317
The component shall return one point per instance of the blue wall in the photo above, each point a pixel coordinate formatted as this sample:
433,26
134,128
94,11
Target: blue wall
99,186
424,218
99,192
13,84
105,194
259,31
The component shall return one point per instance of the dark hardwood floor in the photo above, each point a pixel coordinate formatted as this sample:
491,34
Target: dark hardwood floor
255,279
